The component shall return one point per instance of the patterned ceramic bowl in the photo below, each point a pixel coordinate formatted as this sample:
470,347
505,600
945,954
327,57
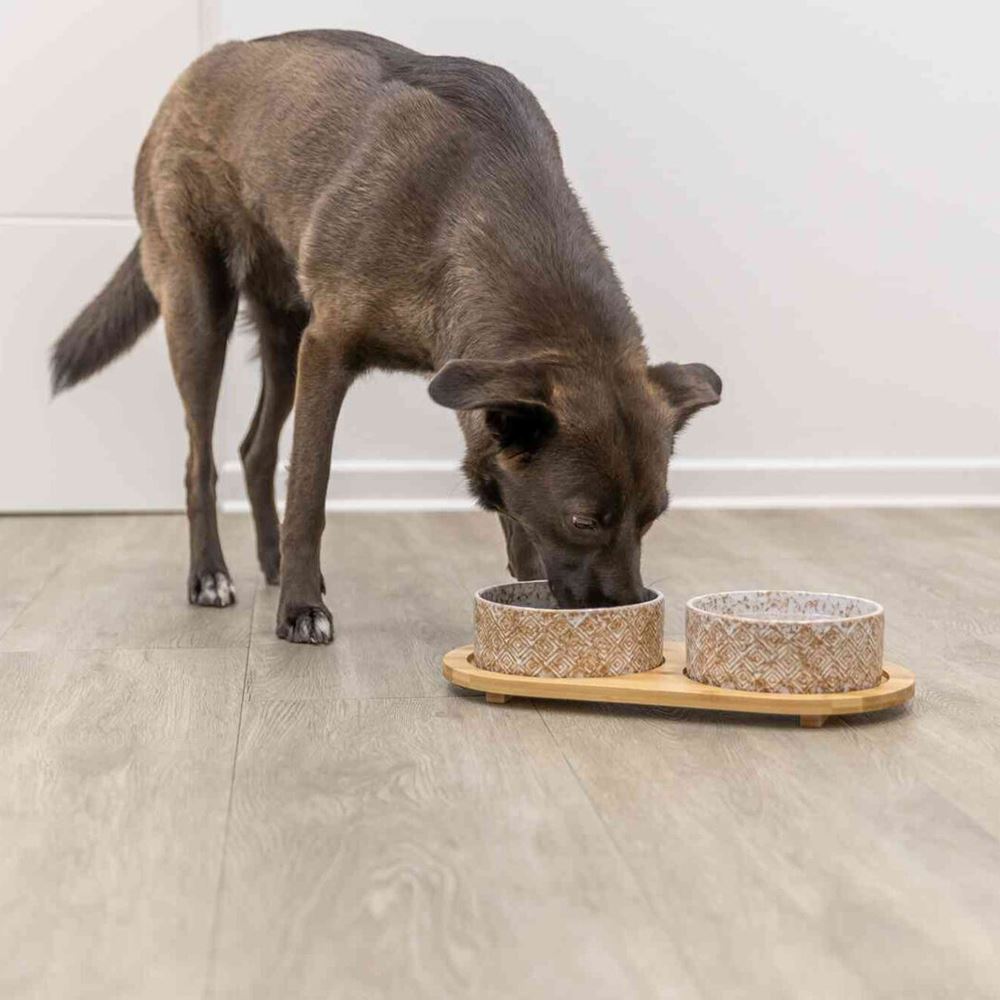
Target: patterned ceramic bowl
784,641
520,630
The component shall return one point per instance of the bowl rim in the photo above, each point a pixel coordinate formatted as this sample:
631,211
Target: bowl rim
877,612
656,598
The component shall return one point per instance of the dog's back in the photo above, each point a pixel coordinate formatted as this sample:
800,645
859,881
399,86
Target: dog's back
330,159
337,133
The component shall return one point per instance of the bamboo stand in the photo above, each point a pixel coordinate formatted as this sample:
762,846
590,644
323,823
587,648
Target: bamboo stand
668,686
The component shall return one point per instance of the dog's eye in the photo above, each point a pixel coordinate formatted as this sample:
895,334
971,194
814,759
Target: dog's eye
584,523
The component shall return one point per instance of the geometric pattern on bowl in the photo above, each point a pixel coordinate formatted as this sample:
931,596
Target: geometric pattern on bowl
520,630
785,641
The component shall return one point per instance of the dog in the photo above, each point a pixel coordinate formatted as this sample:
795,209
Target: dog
376,208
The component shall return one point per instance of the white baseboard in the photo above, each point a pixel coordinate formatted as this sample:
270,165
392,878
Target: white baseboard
436,484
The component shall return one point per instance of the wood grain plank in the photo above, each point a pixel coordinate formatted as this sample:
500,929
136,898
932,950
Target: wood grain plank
115,772
123,586
388,838
799,856
32,549
424,848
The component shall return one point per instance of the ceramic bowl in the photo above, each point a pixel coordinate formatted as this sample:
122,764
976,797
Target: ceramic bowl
520,630
784,641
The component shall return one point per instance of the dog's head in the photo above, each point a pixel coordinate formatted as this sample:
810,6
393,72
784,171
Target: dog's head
575,460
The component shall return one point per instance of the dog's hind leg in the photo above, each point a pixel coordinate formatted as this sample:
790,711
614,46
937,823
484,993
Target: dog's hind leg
198,304
279,332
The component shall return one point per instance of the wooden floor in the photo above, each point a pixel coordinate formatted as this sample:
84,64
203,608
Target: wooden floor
189,807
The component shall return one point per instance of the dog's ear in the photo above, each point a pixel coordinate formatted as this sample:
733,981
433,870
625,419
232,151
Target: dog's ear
688,388
467,384
514,396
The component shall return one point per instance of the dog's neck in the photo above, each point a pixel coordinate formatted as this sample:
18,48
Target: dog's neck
527,276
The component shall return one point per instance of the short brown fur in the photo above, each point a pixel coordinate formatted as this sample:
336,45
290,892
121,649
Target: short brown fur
380,209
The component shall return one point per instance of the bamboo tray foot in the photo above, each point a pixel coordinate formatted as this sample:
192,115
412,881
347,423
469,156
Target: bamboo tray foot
667,685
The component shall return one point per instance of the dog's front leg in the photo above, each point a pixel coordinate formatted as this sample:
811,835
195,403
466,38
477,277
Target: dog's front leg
323,380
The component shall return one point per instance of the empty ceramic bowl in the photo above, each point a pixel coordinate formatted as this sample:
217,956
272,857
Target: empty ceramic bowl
784,641
520,630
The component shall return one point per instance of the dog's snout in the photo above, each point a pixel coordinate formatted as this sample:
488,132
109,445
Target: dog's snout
617,584
605,579
563,593
618,597
633,595
593,595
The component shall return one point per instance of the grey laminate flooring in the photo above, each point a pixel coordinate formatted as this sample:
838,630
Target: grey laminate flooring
189,807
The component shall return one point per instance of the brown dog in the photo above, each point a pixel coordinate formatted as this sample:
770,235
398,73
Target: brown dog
377,208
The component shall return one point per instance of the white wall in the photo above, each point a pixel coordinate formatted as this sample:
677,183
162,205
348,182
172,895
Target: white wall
78,86
801,194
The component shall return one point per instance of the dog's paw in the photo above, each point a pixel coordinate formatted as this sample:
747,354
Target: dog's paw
312,624
211,590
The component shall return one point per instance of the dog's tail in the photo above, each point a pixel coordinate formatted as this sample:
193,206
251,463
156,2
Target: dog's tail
108,325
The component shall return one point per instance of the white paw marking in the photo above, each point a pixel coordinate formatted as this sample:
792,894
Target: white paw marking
214,590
